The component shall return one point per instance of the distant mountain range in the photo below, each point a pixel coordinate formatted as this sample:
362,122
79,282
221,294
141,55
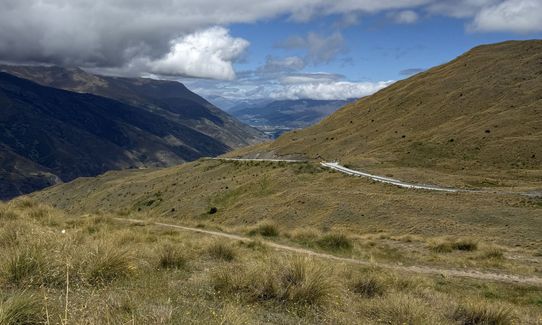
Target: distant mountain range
277,117
58,124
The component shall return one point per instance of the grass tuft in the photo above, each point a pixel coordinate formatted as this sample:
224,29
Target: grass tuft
22,309
447,246
368,286
25,266
172,258
221,251
481,313
7,214
335,242
107,264
266,230
297,281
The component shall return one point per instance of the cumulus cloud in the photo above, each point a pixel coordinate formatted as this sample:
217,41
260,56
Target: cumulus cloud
109,34
404,17
520,16
114,34
325,87
205,54
319,48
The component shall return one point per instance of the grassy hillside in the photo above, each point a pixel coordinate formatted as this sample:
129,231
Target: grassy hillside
61,268
480,114
300,196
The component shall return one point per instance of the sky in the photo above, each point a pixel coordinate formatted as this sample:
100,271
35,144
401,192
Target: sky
231,51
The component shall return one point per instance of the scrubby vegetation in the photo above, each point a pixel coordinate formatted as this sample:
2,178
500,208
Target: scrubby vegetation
65,268
447,246
265,229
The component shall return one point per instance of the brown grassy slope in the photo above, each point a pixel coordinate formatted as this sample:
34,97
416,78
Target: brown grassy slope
300,196
122,274
480,112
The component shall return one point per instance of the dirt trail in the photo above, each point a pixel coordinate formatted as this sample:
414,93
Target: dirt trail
473,274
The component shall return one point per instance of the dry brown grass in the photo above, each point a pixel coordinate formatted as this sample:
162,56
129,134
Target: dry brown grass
139,274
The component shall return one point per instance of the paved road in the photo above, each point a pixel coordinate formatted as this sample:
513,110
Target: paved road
473,274
260,159
337,167
387,180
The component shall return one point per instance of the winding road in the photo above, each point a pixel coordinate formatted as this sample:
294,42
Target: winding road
337,167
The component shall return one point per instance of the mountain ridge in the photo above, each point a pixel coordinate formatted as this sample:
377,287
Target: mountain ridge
479,112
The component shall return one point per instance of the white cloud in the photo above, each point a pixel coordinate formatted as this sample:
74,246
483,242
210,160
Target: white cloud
109,34
459,8
520,16
205,54
327,89
404,17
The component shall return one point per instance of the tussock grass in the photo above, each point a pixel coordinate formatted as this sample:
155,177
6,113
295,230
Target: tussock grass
304,281
482,313
304,235
221,251
107,264
170,257
24,266
493,252
265,229
22,309
447,246
465,244
105,287
334,242
368,286
12,233
400,308
23,203
7,214
297,281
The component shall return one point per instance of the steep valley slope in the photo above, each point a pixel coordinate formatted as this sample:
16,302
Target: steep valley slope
478,118
48,135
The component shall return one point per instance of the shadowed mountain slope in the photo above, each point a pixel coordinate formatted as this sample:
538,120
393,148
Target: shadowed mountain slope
169,99
48,134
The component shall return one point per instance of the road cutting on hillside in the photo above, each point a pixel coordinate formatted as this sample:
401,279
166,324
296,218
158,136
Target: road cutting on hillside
419,269
342,169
